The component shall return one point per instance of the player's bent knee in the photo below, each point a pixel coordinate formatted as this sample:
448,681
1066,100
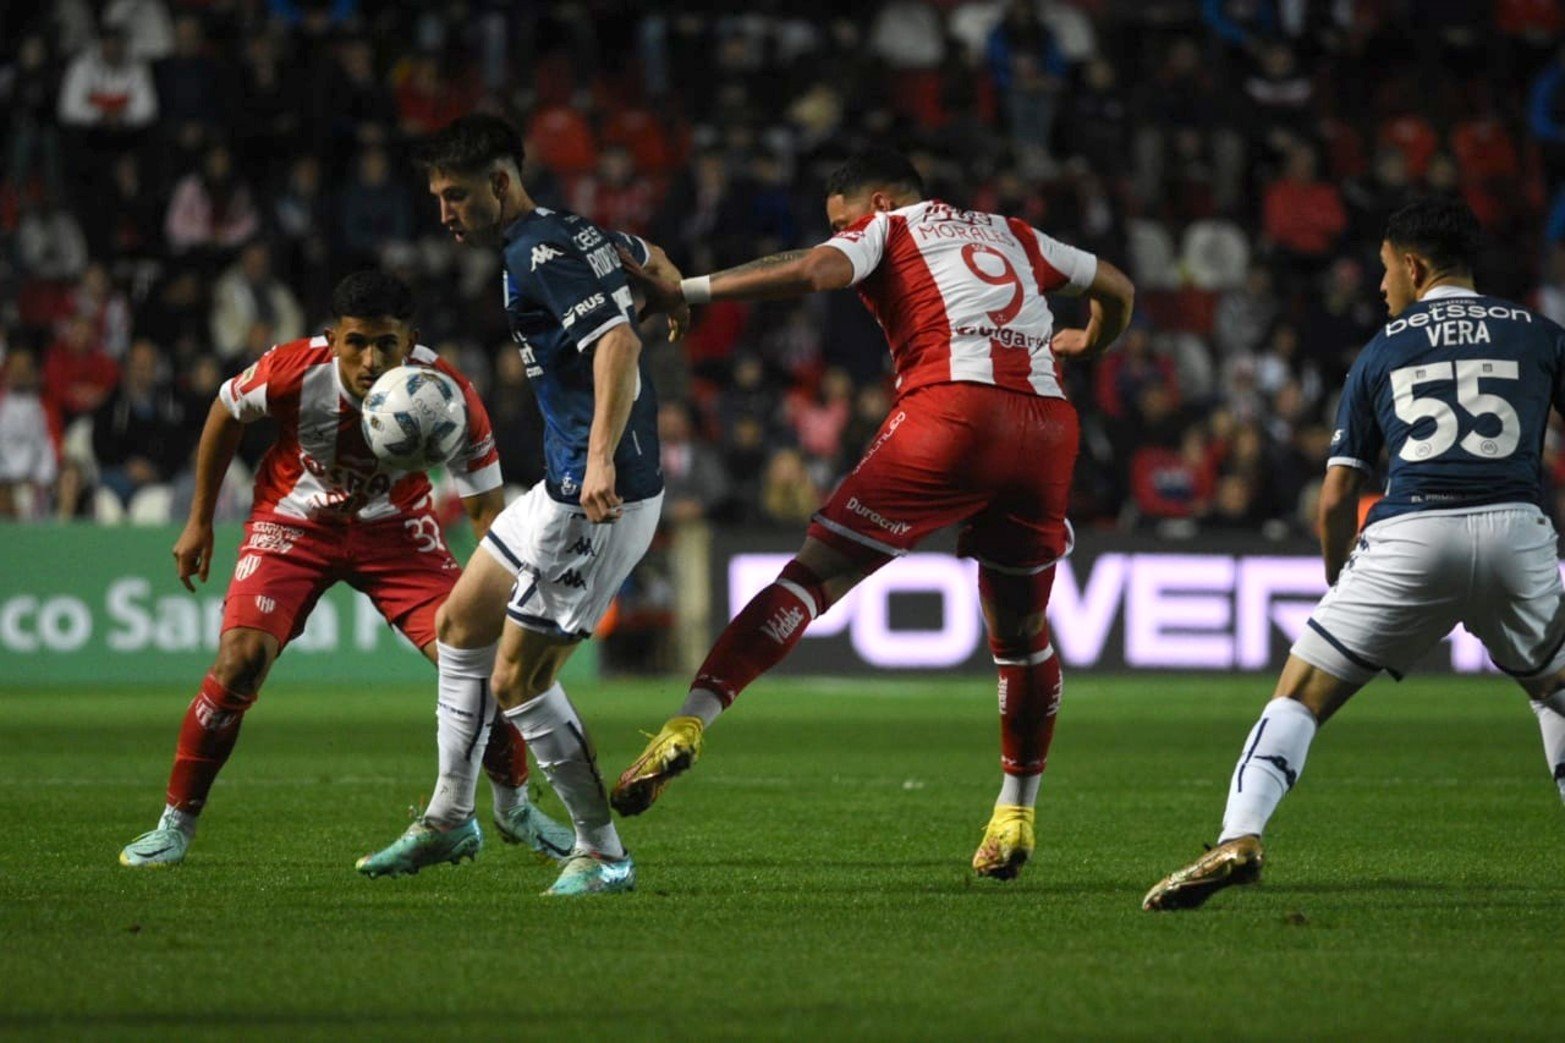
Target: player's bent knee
243,658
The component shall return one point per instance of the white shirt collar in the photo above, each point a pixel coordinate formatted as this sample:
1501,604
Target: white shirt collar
1437,292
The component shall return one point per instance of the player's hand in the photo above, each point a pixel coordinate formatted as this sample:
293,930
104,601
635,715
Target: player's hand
678,322
193,553
661,295
1073,344
598,497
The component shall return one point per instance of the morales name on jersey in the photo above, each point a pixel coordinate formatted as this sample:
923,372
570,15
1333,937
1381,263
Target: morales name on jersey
960,294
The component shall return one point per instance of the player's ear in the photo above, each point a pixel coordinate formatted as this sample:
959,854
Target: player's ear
330,333
499,182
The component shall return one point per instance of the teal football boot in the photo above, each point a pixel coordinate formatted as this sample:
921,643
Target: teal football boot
525,824
589,873
424,845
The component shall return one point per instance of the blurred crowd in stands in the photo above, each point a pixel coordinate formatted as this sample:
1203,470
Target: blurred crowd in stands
183,181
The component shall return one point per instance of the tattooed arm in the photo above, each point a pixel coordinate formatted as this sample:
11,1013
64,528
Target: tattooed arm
792,273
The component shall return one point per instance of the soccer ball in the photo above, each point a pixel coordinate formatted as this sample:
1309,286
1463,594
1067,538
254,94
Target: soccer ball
414,417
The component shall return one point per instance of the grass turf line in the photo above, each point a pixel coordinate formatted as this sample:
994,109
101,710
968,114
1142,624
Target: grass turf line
808,878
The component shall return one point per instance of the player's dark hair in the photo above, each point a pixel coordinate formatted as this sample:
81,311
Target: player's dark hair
1445,231
372,294
874,167
468,144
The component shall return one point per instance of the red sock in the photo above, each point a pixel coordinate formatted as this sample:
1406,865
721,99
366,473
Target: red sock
762,633
1029,700
505,758
205,740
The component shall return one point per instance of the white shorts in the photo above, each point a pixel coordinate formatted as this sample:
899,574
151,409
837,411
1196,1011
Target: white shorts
567,569
1415,576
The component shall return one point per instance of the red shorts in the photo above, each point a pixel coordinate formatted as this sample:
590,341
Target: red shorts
285,565
997,462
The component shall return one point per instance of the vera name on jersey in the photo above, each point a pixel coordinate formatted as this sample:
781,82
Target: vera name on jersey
1451,323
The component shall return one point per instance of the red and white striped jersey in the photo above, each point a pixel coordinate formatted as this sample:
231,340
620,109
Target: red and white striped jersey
959,294
321,468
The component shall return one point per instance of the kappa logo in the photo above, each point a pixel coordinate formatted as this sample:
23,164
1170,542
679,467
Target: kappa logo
543,253
582,546
571,578
247,566
265,604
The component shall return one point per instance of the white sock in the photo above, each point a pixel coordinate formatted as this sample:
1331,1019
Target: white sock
462,717
703,704
1272,761
1019,789
1552,725
173,818
505,797
559,741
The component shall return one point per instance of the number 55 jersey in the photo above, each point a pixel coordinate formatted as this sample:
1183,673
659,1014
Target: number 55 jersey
1457,388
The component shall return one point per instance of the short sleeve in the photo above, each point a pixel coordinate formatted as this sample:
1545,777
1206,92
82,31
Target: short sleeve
248,397
586,292
1357,439
1058,267
864,243
637,247
476,467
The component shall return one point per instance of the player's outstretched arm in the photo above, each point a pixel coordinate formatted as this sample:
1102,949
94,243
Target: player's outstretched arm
1111,300
1339,516
614,375
483,509
219,441
665,271
791,273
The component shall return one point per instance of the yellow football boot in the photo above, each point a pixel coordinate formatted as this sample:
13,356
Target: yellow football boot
1007,844
670,753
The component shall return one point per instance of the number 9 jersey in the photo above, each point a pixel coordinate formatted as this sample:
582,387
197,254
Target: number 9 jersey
959,294
1457,388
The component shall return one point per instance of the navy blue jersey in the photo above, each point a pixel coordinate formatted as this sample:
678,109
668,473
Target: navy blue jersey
564,288
1457,389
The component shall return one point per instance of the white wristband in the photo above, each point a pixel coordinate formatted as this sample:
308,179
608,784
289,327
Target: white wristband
697,289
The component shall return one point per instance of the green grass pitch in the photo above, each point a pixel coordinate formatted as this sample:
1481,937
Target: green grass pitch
807,880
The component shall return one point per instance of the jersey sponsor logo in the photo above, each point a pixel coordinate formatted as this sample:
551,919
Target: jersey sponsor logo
1444,312
896,528
571,578
587,238
1005,337
782,625
270,536
579,309
247,566
265,604
543,253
